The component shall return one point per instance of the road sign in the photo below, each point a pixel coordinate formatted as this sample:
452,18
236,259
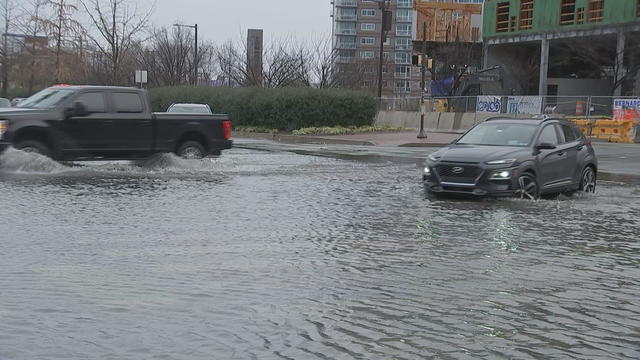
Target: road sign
141,77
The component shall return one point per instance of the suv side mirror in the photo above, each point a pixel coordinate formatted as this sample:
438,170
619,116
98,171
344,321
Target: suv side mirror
454,141
78,109
545,146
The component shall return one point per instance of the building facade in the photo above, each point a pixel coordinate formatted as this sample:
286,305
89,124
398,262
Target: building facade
356,41
556,46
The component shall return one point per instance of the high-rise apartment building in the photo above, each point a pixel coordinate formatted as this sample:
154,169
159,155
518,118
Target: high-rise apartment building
357,35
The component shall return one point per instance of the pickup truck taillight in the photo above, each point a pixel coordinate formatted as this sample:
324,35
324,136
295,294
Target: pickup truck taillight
226,129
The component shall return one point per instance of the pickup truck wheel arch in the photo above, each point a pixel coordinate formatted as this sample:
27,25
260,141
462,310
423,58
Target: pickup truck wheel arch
35,146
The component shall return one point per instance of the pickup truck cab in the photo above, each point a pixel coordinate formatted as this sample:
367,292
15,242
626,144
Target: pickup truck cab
97,122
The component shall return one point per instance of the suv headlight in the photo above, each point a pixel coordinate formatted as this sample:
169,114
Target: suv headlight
4,125
502,162
500,175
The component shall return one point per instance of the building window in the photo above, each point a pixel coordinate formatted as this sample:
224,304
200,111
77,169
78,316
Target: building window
405,3
502,17
580,16
596,10
567,12
403,44
368,12
367,27
403,58
366,54
403,15
403,86
526,15
403,29
367,41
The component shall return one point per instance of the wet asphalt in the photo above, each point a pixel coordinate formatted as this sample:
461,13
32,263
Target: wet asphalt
312,252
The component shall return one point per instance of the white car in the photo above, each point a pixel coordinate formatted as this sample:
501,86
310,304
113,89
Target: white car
190,109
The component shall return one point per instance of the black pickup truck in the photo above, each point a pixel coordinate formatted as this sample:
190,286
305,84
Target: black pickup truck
97,122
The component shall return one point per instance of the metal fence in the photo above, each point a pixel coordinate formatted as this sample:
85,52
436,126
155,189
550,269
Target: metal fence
564,105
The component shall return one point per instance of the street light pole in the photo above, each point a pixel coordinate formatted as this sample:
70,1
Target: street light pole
195,52
382,4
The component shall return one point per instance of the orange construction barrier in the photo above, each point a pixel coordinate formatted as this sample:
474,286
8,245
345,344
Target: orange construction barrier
619,131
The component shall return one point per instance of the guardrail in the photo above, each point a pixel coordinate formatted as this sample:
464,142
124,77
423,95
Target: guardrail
564,105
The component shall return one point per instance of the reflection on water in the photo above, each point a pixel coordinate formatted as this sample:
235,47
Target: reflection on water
275,255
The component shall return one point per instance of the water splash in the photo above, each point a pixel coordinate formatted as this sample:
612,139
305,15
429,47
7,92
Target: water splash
20,162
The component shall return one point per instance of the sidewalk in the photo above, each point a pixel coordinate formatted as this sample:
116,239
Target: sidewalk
402,139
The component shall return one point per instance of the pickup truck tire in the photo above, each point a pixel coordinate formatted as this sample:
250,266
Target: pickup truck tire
33,146
191,150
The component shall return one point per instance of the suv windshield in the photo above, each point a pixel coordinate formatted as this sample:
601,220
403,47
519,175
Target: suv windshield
47,98
499,134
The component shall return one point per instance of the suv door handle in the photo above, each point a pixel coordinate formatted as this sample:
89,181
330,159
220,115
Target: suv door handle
561,153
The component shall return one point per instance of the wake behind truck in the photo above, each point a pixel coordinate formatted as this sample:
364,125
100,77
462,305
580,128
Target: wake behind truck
101,122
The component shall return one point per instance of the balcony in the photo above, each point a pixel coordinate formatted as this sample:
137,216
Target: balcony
345,59
405,4
346,46
346,31
400,75
346,3
346,17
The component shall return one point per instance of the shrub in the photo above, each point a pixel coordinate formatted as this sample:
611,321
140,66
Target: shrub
284,109
339,130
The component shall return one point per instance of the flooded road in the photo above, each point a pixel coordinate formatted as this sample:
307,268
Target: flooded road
275,255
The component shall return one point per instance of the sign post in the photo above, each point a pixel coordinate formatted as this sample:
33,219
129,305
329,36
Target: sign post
141,77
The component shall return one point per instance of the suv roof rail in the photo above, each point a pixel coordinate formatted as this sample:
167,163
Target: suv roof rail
499,118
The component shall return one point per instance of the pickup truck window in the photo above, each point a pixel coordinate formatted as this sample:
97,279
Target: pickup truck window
47,98
94,102
127,102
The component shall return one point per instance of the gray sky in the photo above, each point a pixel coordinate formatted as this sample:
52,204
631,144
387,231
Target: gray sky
219,20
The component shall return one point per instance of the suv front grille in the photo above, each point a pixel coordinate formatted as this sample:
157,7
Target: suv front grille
468,175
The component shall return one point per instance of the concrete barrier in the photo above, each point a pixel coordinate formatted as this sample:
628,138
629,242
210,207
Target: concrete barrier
438,121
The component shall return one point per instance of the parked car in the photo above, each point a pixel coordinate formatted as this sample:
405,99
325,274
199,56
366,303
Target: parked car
507,157
16,101
5,103
190,109
91,123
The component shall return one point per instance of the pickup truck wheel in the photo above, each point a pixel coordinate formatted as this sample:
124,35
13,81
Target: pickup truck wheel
33,146
191,150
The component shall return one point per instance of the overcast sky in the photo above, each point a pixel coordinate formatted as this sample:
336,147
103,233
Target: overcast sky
219,20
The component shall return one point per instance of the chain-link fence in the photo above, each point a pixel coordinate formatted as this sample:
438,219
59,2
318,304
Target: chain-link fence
565,105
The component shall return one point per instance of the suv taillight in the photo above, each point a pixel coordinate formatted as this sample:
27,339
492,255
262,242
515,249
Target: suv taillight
226,129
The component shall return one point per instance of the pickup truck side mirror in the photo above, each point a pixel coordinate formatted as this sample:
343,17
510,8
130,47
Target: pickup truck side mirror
78,109
545,146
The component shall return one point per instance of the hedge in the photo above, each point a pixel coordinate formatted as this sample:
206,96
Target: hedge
284,109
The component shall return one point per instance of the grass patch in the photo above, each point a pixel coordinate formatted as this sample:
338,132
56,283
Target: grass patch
351,130
255,129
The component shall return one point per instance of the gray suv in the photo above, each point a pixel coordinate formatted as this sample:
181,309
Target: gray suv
514,157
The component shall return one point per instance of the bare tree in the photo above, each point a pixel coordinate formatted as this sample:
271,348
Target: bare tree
117,24
231,63
7,12
61,26
33,25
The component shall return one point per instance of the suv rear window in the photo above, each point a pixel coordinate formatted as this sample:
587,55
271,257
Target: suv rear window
126,102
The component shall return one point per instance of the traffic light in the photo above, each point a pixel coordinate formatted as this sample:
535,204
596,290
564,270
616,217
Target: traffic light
417,60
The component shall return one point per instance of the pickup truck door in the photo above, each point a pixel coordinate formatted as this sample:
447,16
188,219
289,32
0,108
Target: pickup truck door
83,133
131,125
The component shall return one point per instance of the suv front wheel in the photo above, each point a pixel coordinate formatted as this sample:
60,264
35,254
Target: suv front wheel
528,188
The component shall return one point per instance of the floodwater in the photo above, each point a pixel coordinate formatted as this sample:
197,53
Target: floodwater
274,255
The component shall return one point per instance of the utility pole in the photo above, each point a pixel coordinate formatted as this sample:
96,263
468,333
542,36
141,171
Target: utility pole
195,52
423,89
